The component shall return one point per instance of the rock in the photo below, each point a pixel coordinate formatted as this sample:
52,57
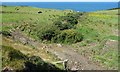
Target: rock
74,68
44,47
59,45
23,40
39,11
76,62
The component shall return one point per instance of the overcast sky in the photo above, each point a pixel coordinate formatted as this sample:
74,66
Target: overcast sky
59,0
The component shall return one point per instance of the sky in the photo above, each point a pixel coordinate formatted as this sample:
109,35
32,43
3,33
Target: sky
59,0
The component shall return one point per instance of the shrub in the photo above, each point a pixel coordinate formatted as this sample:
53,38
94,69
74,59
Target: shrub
68,36
63,25
47,33
61,30
68,21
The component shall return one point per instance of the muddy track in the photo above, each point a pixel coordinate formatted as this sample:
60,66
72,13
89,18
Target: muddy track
75,60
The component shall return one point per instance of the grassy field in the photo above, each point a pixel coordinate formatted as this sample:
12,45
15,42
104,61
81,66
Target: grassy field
93,34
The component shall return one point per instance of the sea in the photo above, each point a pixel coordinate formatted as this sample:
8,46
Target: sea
76,6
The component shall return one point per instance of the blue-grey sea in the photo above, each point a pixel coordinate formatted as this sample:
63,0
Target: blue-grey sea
76,6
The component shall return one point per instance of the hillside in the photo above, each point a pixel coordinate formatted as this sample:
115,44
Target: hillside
14,60
87,40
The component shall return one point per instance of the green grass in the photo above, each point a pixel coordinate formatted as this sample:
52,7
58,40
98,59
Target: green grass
29,14
28,18
113,37
107,56
94,26
99,28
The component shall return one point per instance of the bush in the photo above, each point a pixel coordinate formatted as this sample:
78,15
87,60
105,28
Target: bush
68,36
53,34
63,25
47,33
61,30
68,21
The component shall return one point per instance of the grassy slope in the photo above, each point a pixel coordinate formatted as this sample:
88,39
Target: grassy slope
27,51
27,16
103,27
16,60
96,26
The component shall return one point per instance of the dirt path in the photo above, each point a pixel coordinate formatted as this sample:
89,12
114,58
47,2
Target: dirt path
75,60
